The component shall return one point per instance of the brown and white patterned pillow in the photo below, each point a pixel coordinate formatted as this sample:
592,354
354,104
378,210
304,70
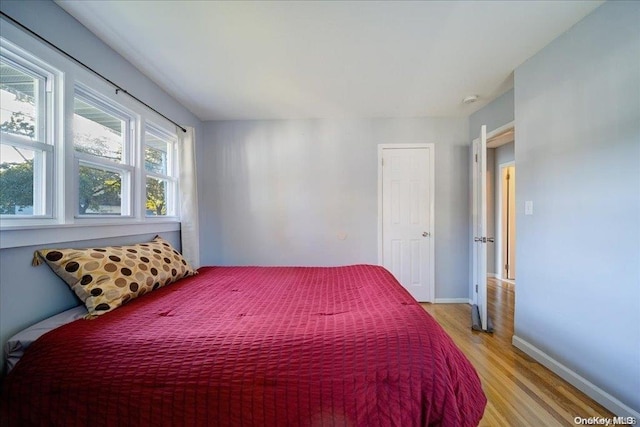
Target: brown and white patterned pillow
105,278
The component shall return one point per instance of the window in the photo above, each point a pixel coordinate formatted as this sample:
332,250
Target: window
75,152
103,150
159,166
26,150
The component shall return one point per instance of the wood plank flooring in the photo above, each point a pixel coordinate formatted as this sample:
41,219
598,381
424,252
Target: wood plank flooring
520,391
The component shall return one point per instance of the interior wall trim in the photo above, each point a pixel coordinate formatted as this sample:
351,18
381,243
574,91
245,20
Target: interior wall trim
587,387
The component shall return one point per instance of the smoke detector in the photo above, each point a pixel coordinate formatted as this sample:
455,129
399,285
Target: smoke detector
470,99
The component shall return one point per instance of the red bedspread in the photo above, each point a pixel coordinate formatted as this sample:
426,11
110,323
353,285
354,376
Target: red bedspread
251,346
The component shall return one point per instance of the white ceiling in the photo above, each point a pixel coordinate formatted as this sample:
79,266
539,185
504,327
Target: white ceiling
328,59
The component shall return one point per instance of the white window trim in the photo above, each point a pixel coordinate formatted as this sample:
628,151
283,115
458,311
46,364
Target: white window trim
51,234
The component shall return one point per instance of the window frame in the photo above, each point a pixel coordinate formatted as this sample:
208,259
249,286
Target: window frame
172,196
61,224
126,167
44,144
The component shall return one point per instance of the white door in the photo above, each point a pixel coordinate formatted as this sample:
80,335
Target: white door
407,241
479,190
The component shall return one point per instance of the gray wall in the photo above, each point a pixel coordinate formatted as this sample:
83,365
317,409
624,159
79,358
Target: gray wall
505,153
577,110
497,113
29,294
279,192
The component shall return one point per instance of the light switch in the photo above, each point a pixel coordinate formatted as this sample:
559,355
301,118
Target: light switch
528,207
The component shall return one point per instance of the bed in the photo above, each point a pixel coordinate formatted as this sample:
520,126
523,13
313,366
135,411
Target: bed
308,346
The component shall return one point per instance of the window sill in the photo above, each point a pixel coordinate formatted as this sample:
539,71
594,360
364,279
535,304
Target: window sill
14,237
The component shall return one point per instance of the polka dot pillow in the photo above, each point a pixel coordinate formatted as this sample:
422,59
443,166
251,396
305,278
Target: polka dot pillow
105,278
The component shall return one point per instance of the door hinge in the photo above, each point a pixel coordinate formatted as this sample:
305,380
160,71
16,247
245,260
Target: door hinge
476,155
476,288
382,161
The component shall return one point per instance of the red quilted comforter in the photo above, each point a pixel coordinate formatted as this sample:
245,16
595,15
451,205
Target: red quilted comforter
251,346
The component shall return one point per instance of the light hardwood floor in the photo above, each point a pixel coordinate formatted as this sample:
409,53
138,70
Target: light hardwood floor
520,391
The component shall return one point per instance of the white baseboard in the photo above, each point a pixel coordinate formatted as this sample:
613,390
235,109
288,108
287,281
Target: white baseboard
582,384
452,301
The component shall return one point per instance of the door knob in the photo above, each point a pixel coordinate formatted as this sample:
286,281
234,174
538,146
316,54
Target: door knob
426,234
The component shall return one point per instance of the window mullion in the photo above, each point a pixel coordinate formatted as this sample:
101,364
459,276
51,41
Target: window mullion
67,191
133,158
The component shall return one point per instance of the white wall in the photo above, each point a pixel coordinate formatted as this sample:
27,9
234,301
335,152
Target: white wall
577,107
280,192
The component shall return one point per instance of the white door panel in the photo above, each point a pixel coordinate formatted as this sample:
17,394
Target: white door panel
407,211
479,190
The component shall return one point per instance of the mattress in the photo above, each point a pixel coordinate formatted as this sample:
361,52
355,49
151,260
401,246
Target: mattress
251,346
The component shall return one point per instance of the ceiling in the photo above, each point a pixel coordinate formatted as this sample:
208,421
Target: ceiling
328,59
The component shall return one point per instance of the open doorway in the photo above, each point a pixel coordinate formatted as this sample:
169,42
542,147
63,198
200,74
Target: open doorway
502,211
488,151
506,218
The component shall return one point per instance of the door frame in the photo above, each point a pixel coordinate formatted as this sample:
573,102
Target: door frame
431,166
499,237
494,140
